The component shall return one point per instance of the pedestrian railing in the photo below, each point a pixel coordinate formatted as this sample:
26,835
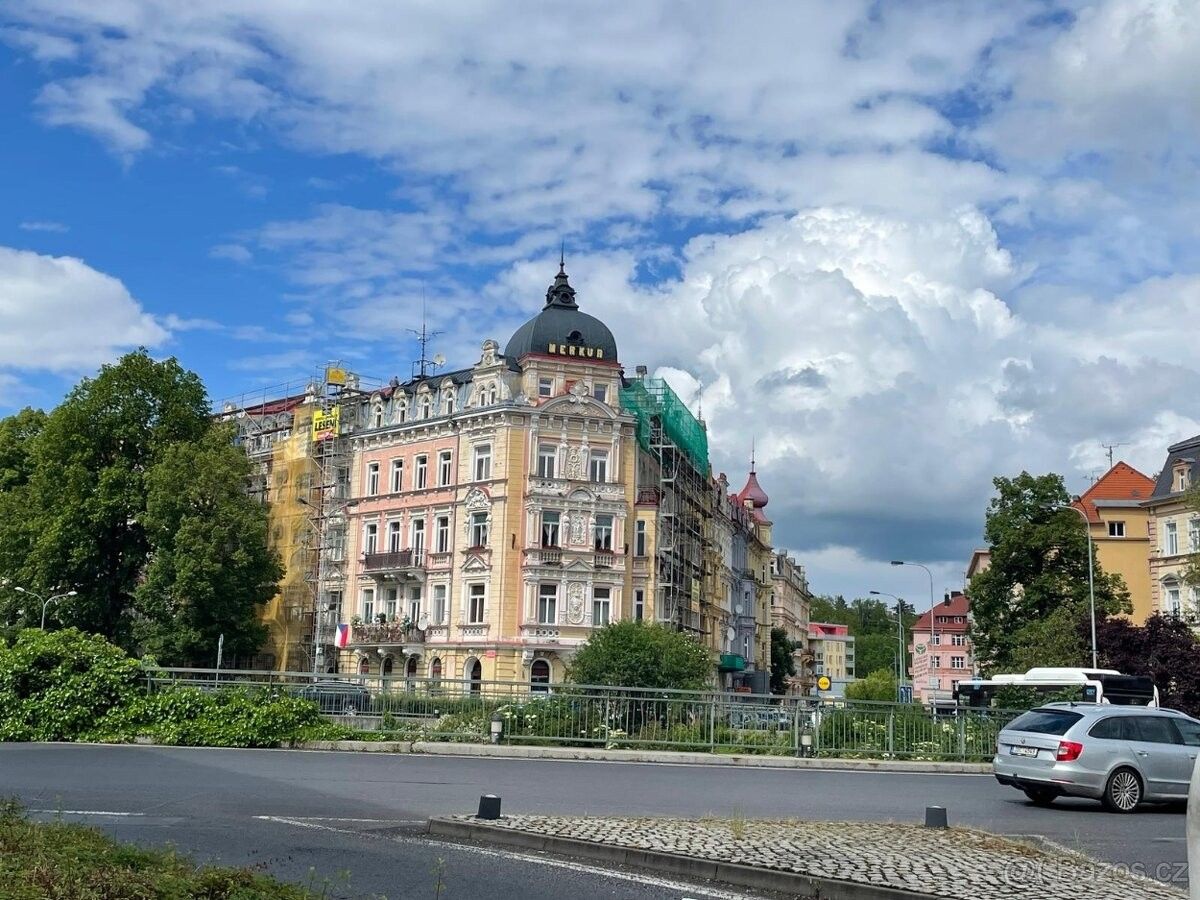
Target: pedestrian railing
621,718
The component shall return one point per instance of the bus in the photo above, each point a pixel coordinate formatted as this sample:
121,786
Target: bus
1084,685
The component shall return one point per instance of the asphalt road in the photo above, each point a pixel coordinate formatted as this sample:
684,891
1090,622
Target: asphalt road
296,812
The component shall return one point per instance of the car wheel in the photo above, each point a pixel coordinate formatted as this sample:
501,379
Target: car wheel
1123,792
1041,796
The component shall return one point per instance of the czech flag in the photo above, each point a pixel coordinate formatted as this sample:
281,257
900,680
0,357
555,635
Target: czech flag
343,636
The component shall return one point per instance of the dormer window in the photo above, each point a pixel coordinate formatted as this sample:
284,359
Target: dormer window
377,416
402,411
492,395
545,387
426,406
448,402
1182,481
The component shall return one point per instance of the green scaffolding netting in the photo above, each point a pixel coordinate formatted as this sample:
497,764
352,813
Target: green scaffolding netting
651,398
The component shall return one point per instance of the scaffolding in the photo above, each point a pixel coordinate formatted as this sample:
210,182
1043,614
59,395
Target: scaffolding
676,446
298,436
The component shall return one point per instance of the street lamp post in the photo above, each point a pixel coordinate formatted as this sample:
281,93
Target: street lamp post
932,623
44,601
1087,530
899,633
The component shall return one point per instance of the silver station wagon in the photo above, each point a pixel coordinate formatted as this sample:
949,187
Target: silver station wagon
1120,755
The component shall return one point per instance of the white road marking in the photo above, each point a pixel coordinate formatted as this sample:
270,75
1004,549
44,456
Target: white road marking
706,892
82,812
345,819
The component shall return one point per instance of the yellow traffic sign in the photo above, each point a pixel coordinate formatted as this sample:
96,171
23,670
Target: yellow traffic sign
823,683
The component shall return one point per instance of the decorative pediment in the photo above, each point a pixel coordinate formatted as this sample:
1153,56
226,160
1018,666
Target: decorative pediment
474,563
477,500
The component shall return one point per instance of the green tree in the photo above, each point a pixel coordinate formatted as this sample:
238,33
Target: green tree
783,664
880,685
637,654
18,439
210,569
1027,605
88,491
873,624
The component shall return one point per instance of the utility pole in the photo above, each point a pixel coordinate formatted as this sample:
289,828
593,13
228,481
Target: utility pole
220,654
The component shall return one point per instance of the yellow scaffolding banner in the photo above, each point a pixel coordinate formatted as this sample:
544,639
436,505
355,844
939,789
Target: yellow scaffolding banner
335,375
325,423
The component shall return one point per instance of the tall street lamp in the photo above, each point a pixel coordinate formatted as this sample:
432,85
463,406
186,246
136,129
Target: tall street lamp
46,601
1087,530
899,632
932,624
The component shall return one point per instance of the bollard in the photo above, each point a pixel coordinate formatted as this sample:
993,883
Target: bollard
489,807
935,817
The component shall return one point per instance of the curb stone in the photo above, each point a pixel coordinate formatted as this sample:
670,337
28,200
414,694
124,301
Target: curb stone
747,761
807,886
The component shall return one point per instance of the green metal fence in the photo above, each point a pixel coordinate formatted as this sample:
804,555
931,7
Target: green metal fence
622,718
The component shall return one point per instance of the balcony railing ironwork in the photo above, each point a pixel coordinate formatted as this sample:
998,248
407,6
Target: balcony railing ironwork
393,561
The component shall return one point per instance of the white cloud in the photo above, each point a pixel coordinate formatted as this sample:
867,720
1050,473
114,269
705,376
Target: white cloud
234,252
884,376
59,314
56,227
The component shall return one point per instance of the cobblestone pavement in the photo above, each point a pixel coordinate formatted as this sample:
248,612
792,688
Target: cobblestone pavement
954,863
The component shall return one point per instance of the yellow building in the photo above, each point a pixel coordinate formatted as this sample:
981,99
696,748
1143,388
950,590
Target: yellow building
1118,522
302,474
1174,529
791,602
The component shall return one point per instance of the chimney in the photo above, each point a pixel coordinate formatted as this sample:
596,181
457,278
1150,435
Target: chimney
641,372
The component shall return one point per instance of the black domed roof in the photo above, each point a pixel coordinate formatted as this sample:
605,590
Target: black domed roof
561,324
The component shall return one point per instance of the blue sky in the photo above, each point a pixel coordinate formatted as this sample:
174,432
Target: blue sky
905,246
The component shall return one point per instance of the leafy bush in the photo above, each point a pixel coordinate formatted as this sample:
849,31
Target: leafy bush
56,685
638,654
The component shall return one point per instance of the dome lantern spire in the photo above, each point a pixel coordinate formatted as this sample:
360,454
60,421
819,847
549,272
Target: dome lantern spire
561,294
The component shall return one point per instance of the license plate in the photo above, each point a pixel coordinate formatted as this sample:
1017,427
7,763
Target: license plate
1024,751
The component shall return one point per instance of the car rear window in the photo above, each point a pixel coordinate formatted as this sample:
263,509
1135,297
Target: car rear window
1045,721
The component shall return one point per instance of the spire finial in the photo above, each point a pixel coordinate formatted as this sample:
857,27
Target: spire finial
562,256
751,456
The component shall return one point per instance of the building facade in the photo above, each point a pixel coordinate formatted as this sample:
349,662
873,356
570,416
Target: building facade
940,650
1118,523
791,602
1174,532
832,650
480,524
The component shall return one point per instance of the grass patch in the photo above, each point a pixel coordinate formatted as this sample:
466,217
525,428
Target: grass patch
63,861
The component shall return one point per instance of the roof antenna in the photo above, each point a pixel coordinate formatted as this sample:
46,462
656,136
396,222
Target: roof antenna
1110,448
423,338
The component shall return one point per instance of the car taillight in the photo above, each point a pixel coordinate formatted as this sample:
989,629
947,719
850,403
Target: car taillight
1068,751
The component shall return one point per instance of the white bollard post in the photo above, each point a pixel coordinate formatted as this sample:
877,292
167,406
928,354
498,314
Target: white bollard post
1193,835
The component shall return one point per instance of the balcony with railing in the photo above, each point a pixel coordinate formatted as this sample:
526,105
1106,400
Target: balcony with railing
394,562
544,556
605,559
383,633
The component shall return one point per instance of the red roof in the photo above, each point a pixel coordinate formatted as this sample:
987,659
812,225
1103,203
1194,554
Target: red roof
1121,482
957,605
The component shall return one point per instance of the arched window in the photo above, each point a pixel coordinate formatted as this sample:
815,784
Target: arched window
449,403
435,668
492,395
425,407
474,675
364,666
377,416
539,675
387,666
410,668
402,411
